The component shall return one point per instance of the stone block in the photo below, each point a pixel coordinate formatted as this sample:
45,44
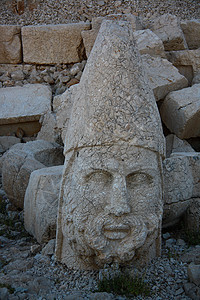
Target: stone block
181,184
192,216
6,142
174,144
191,30
168,28
89,37
21,160
10,44
41,203
24,105
187,58
180,112
149,43
163,76
194,273
53,44
48,131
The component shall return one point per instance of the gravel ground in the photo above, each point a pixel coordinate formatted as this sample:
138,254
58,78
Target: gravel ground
67,11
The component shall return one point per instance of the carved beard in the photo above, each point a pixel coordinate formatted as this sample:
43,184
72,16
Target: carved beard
107,238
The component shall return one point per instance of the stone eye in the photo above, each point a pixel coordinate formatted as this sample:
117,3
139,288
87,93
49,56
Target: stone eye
138,179
99,177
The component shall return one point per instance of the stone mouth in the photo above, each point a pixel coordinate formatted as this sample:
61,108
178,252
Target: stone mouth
116,232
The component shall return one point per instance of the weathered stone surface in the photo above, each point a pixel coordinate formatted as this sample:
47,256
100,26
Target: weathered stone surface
185,58
62,106
163,76
49,249
6,142
46,44
10,44
48,130
174,144
180,112
194,273
113,147
89,36
41,203
192,215
24,104
168,28
191,30
181,184
21,160
196,78
149,43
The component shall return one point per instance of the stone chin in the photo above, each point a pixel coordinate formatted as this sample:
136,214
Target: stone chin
108,239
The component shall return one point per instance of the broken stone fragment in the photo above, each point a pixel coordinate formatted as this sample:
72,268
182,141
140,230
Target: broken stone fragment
23,106
41,203
186,58
51,44
180,112
10,44
168,28
89,36
181,184
163,76
21,160
174,144
191,30
149,43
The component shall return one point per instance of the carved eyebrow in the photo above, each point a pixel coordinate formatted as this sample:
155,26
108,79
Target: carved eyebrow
93,171
147,171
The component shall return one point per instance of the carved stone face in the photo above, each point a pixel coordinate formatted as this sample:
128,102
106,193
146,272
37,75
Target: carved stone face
111,203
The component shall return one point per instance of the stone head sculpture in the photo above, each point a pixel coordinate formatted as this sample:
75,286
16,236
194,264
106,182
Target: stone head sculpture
111,193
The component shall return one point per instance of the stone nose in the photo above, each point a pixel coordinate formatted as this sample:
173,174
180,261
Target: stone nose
118,204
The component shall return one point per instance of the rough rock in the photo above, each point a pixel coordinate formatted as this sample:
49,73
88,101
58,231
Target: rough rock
62,106
149,43
192,216
191,30
48,44
6,142
89,36
23,106
174,144
163,76
196,78
21,160
180,112
181,184
10,44
113,147
168,28
41,203
194,273
188,59
48,130
49,249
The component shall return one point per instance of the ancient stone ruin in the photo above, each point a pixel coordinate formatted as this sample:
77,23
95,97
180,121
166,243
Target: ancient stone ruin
100,139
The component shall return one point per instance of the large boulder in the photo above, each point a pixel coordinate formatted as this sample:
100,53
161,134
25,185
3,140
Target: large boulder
10,44
53,44
191,30
23,106
168,28
21,160
180,112
41,203
163,76
181,184
48,131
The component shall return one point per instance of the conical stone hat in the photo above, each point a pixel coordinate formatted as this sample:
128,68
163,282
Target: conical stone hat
114,103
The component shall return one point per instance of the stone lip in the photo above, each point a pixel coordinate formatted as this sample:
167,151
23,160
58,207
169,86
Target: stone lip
24,104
